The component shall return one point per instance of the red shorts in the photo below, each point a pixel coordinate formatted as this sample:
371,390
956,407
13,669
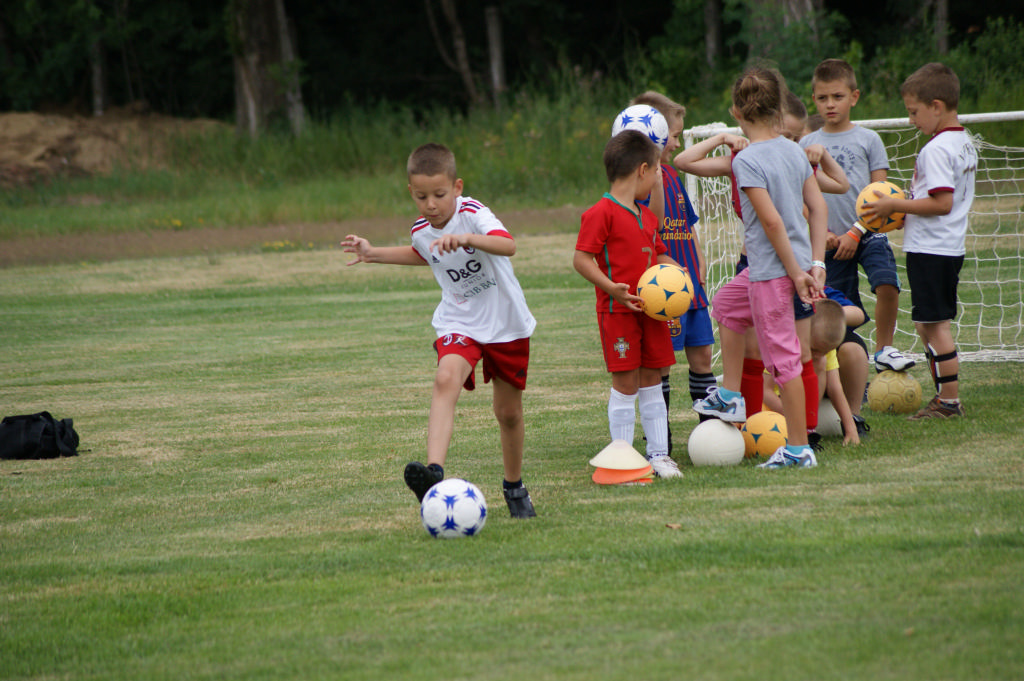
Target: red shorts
507,361
631,340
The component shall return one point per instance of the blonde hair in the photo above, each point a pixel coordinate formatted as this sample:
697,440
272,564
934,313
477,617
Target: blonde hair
757,95
672,111
432,159
828,325
933,81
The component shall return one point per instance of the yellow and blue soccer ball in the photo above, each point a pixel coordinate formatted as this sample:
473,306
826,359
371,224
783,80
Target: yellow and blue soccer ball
666,290
867,195
763,433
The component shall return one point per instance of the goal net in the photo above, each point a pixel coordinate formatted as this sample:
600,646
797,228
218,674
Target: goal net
990,321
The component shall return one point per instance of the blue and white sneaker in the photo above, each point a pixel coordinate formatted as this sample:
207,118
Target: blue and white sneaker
783,458
732,409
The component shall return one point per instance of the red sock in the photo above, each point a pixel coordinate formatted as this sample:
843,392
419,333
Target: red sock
752,385
811,400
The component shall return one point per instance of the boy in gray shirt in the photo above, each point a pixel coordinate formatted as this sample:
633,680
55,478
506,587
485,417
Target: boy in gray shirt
862,156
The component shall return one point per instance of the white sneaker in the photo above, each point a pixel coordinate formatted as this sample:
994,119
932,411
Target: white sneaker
733,410
665,467
783,459
892,359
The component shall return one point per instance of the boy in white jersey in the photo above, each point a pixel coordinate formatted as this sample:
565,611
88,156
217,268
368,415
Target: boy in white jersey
482,314
940,198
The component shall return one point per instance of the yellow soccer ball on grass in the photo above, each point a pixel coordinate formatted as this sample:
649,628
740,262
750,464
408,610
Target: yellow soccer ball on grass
763,433
894,392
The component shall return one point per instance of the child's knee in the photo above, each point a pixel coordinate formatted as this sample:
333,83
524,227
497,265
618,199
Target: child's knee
509,416
447,378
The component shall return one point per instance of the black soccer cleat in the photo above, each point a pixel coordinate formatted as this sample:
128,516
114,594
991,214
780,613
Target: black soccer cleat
421,478
862,425
519,503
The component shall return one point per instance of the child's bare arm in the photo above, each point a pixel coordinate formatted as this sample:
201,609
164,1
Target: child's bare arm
389,255
702,262
939,203
817,219
495,244
831,179
834,390
696,161
585,264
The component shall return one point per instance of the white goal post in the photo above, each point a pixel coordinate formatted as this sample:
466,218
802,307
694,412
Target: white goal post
990,323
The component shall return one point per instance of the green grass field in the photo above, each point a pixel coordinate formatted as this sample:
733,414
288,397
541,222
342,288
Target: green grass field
237,510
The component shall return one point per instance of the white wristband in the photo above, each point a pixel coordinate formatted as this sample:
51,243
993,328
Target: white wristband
818,263
860,228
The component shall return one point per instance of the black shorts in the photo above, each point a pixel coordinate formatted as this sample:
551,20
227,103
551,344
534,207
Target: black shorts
933,280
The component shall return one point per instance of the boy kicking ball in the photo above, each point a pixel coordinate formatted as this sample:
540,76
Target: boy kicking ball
482,316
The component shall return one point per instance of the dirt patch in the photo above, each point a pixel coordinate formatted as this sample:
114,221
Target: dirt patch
34,147
73,248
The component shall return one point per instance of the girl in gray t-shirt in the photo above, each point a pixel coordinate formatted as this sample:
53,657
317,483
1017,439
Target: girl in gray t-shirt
775,182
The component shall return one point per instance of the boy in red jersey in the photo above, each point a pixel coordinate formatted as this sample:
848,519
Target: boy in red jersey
692,332
618,241
482,316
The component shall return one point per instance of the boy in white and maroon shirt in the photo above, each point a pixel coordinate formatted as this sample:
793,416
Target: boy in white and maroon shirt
482,316
940,199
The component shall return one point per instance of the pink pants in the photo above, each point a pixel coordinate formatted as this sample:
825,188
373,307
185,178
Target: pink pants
768,307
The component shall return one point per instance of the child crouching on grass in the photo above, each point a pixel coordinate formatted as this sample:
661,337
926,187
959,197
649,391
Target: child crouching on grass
482,315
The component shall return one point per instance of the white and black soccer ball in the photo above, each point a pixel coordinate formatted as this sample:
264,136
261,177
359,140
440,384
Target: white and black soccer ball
453,508
646,119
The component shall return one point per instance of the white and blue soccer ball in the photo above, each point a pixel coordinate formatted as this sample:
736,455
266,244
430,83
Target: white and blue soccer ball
453,508
644,118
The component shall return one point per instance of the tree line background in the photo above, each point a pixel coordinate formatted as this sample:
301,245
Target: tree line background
267,63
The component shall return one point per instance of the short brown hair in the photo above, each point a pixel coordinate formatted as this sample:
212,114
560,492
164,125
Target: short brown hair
828,324
626,152
832,70
432,159
671,110
793,106
757,94
933,81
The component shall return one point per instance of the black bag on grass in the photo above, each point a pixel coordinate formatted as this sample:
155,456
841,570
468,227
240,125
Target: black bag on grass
37,436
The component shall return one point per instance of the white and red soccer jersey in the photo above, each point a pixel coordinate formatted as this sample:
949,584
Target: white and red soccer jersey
948,162
480,295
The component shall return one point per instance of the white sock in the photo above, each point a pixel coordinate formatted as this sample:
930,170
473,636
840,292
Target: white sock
622,415
654,419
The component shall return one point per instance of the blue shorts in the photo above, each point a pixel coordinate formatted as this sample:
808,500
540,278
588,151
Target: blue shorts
874,254
692,330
